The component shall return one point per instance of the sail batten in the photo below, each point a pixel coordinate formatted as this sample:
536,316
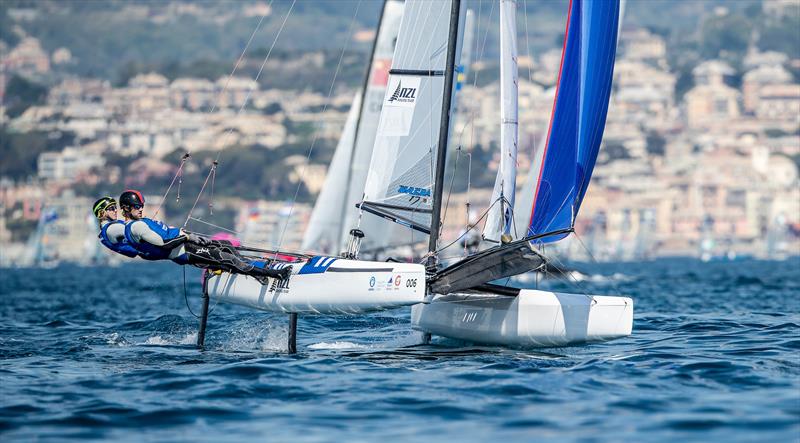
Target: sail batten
578,118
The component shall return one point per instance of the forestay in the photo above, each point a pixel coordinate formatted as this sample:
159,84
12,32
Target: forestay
579,115
400,180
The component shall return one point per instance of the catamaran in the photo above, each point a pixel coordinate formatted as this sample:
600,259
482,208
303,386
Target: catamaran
404,185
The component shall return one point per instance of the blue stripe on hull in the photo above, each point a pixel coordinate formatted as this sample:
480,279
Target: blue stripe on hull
317,265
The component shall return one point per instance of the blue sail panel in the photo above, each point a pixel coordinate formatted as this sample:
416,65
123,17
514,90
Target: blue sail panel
579,114
600,27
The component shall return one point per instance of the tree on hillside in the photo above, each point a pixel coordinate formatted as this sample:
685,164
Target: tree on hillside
21,94
725,37
781,35
7,33
20,150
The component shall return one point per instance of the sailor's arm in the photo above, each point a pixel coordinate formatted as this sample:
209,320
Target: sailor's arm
142,233
116,233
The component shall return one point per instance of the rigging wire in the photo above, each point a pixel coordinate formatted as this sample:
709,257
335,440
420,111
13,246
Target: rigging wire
227,133
200,220
179,174
300,180
471,121
213,178
452,180
474,225
594,260
560,264
186,294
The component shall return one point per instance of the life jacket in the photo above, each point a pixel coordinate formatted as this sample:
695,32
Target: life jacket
122,247
152,252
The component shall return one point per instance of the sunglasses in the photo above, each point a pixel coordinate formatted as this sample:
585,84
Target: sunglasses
137,206
111,208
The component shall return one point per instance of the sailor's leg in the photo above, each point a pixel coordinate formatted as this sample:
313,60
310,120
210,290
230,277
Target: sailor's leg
231,257
198,255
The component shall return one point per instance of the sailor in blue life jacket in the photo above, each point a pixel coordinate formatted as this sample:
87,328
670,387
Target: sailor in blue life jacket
154,240
112,230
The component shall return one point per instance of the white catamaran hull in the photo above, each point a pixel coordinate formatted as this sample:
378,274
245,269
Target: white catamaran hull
327,285
532,318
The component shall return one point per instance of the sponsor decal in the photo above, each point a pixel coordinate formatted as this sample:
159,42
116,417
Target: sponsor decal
411,190
397,281
469,317
372,282
203,251
402,91
403,95
279,285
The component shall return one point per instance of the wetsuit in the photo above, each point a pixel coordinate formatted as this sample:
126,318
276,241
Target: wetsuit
112,236
156,241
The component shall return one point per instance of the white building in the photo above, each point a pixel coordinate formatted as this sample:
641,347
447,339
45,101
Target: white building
273,224
68,164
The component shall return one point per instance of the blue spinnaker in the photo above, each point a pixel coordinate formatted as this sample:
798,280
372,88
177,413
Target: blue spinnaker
579,115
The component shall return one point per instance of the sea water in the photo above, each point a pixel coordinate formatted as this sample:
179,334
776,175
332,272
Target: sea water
107,353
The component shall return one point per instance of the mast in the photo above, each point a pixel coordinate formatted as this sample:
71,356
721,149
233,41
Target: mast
346,194
444,131
500,222
508,111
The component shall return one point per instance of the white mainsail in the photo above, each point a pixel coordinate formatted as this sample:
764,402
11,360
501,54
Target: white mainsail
401,175
501,214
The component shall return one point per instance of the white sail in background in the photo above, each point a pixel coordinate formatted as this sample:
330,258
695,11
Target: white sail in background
325,223
334,213
501,215
400,179
377,232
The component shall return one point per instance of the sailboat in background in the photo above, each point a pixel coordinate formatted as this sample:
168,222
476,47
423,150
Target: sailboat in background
405,184
332,216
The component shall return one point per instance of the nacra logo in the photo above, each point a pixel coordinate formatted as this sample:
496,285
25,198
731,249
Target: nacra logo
411,190
403,95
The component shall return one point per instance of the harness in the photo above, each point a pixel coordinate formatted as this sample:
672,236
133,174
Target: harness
122,247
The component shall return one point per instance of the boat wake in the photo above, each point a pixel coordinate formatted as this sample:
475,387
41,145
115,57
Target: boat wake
337,345
159,340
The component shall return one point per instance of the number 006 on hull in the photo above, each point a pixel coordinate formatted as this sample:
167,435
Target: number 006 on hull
327,285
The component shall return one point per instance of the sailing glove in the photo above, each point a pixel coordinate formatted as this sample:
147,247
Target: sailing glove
196,239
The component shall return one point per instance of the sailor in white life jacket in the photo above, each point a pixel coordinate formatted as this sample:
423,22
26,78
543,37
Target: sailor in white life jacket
154,240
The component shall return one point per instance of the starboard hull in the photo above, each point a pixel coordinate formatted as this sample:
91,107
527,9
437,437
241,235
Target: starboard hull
530,319
326,285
